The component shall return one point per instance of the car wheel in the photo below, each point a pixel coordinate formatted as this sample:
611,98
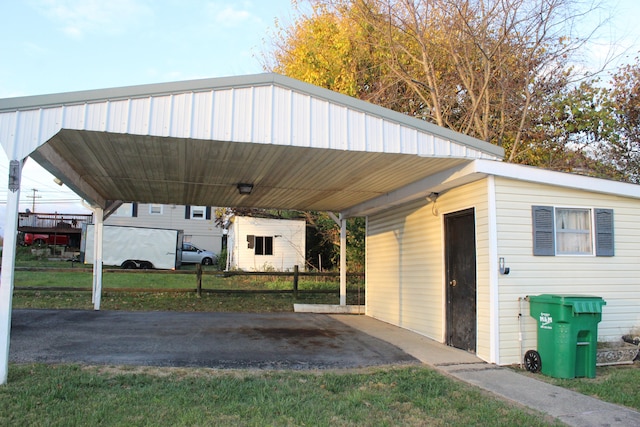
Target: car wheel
207,261
39,242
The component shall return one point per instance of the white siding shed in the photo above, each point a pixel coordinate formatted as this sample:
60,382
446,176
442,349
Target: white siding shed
407,278
265,244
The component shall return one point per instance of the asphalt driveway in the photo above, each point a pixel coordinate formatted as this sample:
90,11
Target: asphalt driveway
214,340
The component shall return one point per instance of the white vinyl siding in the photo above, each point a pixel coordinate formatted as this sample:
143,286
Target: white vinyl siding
248,251
405,277
613,278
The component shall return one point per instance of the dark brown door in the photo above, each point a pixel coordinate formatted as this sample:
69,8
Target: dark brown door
460,264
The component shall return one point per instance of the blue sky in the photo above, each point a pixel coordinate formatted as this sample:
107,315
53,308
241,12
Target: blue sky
52,46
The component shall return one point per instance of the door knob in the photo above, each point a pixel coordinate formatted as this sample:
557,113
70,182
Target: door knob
453,283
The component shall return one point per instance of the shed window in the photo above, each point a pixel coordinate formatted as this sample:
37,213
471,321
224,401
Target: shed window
572,231
263,245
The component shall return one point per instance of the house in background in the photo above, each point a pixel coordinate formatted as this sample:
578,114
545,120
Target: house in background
197,222
262,244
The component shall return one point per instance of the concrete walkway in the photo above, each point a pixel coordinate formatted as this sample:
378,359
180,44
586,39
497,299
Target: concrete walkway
572,408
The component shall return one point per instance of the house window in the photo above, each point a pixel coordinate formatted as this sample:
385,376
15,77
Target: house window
262,245
572,231
155,209
198,212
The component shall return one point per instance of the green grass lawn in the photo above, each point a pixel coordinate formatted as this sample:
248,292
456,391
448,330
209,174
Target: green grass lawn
615,384
71,395
174,292
74,395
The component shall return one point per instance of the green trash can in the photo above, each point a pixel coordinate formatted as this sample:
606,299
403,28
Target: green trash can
567,333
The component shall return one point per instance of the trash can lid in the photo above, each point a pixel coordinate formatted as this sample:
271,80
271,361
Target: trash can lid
579,303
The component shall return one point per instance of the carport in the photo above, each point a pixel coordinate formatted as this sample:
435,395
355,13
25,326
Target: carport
294,145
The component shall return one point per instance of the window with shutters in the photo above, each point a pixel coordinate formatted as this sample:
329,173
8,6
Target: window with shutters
572,231
198,212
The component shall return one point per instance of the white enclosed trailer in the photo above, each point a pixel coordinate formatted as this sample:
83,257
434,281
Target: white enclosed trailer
134,247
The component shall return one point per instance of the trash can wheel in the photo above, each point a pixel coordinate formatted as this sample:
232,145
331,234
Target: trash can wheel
532,361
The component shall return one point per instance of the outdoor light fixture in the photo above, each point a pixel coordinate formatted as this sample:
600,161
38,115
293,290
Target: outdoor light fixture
58,181
432,197
245,189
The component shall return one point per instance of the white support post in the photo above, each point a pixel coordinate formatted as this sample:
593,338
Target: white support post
98,215
6,278
343,261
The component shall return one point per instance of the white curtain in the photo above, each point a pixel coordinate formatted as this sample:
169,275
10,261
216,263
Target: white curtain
573,231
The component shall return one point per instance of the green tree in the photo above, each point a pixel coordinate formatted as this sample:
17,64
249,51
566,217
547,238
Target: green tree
486,68
623,148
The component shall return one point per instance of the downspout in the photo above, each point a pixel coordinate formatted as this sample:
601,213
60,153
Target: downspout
494,273
8,265
98,215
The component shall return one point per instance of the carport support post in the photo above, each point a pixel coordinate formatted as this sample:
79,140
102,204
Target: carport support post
343,261
98,215
7,274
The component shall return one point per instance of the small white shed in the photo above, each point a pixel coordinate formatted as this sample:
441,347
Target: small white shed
457,264
264,244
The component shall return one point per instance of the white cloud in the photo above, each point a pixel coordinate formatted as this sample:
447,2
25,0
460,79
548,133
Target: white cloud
230,16
79,17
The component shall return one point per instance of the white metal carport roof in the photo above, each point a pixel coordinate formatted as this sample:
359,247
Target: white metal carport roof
300,146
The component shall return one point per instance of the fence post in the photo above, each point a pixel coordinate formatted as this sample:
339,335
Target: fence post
295,281
199,278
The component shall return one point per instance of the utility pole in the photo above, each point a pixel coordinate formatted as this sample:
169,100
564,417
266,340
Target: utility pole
34,197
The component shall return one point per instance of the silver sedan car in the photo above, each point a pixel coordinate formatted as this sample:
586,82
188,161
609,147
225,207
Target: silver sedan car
191,254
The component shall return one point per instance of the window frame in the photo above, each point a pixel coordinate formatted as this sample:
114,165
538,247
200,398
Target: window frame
263,245
201,209
151,211
576,232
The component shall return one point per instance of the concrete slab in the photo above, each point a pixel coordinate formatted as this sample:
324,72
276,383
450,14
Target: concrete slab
216,340
328,308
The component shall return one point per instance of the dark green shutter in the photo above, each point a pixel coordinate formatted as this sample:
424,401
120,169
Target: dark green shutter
134,210
604,232
187,212
543,235
208,213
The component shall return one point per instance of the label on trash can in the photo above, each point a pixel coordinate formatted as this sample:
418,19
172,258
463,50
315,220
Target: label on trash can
545,321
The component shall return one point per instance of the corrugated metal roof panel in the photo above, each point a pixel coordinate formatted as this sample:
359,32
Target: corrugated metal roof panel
190,143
